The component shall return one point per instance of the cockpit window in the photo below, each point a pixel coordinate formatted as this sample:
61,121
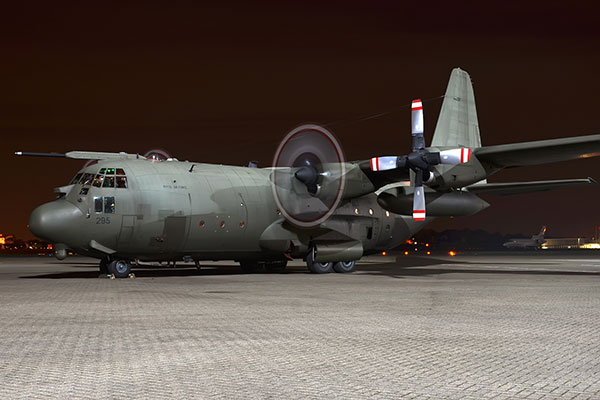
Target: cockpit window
109,205
106,178
109,181
86,179
75,179
98,204
122,182
98,180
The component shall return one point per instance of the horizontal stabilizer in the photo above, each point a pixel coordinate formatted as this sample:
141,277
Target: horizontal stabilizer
538,152
505,189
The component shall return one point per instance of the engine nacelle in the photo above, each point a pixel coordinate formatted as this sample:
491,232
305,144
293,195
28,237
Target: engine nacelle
342,251
451,204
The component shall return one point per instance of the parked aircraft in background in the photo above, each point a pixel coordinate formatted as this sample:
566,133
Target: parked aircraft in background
535,242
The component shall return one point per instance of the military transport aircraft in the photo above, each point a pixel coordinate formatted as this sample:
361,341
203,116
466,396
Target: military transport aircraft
520,243
311,204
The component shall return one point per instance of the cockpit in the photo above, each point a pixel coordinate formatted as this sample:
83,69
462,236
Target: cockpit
105,178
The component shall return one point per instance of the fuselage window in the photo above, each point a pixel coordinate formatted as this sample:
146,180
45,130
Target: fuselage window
75,179
122,182
84,191
98,180
109,181
98,204
109,205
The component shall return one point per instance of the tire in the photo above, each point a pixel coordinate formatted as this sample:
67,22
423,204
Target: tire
275,266
119,268
317,267
249,266
344,267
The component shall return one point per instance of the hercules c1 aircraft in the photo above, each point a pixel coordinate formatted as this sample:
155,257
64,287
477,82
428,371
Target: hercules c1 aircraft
311,204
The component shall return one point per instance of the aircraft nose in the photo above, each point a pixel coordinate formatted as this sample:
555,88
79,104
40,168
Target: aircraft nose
52,221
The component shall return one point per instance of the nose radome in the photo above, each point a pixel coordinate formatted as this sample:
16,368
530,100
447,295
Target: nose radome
53,221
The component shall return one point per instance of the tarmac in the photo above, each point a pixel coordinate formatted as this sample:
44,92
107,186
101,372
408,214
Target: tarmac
502,326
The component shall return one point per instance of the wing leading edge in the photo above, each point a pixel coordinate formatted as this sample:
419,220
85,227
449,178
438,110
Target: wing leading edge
538,152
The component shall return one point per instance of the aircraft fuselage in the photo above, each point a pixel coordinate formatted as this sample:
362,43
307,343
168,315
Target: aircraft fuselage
170,210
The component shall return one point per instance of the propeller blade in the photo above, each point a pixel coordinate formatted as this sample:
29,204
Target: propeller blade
418,142
384,163
455,156
419,197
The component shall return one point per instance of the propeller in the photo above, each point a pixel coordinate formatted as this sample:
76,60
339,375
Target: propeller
308,176
420,160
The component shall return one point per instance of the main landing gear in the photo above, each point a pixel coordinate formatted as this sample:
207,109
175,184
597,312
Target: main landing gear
326,267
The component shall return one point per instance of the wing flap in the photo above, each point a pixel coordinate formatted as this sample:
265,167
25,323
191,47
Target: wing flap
504,189
539,152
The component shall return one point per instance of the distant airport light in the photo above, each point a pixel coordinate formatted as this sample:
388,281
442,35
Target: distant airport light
406,253
451,253
426,244
428,253
383,253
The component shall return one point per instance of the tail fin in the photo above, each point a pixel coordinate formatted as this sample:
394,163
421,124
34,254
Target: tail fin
457,124
541,234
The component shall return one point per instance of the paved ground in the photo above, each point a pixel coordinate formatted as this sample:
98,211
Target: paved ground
472,327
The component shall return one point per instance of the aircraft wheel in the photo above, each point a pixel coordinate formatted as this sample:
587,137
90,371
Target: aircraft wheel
119,268
344,266
249,266
104,266
317,267
276,266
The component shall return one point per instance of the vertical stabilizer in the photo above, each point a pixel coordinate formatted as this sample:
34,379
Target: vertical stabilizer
540,235
457,124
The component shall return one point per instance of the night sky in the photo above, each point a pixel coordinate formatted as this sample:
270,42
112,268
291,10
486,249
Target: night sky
224,82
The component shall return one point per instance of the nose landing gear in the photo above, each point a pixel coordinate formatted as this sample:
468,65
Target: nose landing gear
118,268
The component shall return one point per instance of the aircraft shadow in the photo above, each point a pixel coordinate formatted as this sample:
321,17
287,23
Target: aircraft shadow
403,267
158,272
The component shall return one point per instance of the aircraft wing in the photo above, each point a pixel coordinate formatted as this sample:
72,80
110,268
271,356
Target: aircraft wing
82,155
505,189
538,152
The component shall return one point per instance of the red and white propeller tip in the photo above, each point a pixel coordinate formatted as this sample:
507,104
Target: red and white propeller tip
417,117
455,156
384,163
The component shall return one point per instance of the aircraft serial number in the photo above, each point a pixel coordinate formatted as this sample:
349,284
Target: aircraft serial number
102,220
